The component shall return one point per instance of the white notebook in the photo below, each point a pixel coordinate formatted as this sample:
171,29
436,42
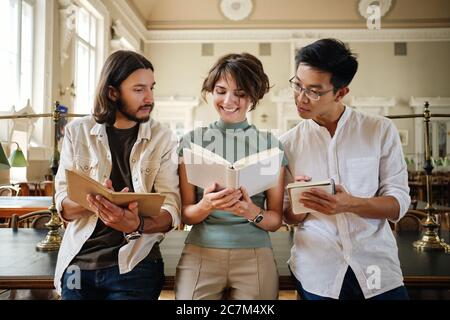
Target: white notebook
296,189
256,173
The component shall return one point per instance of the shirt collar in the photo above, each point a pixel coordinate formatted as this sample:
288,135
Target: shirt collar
144,133
232,126
342,120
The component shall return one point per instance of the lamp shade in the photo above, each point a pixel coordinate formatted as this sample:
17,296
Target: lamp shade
4,164
17,158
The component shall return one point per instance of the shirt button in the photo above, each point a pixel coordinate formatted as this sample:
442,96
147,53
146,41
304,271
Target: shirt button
147,170
85,167
133,160
135,179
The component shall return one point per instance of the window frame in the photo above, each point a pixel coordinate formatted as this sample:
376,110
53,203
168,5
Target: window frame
19,100
97,50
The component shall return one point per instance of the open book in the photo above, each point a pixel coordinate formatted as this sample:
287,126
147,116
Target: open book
256,173
80,185
295,190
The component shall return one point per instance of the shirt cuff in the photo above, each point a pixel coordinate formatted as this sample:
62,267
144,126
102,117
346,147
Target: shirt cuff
174,213
58,203
403,202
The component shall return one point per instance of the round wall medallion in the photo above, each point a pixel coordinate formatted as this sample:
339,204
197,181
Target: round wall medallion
236,9
384,5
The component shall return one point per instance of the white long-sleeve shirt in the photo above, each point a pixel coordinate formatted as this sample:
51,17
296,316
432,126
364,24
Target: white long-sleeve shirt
365,156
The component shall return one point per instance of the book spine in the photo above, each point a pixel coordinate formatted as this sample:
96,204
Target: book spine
232,178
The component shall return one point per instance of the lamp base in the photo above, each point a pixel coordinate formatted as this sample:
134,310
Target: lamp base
431,242
430,239
52,240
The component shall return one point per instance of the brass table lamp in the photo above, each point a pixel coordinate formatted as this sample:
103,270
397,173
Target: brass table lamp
430,240
52,240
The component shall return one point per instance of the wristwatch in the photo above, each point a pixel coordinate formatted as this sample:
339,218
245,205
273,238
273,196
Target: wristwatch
258,217
136,234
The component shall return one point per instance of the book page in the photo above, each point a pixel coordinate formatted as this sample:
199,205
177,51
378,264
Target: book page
149,204
202,174
261,175
205,156
256,157
80,185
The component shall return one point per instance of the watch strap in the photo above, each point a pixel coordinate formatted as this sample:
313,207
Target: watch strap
258,217
136,234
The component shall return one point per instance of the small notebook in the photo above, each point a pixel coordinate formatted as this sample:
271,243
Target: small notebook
80,185
256,173
295,190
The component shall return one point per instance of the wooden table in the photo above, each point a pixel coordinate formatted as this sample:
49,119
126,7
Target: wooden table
438,208
22,205
22,267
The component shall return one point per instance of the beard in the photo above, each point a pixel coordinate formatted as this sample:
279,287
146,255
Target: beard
122,108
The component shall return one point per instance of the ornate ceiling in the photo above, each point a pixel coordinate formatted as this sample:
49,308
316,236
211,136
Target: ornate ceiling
286,14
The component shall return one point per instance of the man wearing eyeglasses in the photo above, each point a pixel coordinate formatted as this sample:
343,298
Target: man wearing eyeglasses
344,248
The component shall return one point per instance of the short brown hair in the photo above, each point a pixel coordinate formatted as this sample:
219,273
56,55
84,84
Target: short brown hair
245,69
116,69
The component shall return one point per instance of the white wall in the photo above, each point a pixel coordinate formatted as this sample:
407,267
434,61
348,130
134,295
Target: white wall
424,71
180,70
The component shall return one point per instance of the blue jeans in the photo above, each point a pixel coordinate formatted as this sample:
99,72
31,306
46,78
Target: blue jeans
352,291
144,282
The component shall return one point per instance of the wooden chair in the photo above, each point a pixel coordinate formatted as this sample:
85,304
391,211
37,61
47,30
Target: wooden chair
411,221
444,220
35,219
9,191
45,188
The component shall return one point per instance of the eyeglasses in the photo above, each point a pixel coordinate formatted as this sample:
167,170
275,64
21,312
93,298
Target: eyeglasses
313,95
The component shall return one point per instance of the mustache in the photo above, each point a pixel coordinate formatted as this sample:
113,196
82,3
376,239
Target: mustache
151,106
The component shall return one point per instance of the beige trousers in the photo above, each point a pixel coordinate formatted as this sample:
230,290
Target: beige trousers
234,274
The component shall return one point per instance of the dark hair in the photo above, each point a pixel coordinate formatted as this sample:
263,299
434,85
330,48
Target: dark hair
330,55
245,69
116,69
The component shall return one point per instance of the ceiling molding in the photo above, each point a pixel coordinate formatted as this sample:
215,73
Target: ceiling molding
299,36
256,24
131,17
122,38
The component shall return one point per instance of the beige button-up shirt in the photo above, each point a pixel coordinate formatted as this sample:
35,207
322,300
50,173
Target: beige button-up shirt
365,156
153,164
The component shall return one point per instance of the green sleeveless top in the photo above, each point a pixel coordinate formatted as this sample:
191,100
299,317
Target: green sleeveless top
222,229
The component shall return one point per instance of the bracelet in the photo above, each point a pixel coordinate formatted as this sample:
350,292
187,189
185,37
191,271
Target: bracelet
136,234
